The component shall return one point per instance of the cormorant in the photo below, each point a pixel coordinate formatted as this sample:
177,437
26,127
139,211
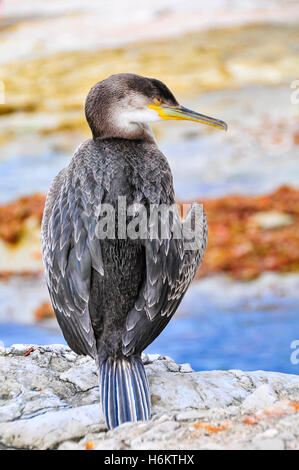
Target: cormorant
113,295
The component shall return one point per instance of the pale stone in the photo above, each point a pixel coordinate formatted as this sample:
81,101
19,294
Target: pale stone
50,400
107,444
270,444
272,219
186,368
270,433
260,398
192,415
47,430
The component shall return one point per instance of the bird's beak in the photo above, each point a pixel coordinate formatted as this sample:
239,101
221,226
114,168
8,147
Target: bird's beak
181,113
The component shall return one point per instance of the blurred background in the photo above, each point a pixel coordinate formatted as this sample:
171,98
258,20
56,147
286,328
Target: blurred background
237,61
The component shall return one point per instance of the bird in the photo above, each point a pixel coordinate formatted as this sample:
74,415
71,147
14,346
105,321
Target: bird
113,295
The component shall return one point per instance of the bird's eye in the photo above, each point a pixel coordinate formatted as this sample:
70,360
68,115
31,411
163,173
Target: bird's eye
157,101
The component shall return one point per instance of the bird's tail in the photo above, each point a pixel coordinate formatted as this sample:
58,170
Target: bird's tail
124,390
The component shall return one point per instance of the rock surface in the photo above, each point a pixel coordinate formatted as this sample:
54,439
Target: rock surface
49,399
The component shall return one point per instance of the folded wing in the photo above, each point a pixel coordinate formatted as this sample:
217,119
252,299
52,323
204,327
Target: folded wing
170,267
70,250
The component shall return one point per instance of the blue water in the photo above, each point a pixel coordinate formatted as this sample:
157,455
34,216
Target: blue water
236,336
25,175
11,333
241,340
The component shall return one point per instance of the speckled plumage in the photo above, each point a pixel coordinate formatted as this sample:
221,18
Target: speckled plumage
112,298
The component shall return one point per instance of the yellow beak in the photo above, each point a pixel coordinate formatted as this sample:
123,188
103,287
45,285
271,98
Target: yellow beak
179,112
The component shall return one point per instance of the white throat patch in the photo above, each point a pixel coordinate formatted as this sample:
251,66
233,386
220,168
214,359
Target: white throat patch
126,118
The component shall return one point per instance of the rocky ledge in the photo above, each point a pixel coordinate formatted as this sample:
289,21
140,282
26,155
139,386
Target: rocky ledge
49,399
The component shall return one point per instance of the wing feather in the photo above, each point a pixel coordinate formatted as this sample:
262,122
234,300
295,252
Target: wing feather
169,271
70,251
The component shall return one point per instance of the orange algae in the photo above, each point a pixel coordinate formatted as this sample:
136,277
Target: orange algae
44,312
14,215
209,428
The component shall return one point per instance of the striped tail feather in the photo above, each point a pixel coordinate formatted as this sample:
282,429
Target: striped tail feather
124,390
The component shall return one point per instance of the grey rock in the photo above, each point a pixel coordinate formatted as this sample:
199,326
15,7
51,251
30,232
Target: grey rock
49,399
270,444
47,430
270,433
192,415
107,444
263,396
186,368
272,219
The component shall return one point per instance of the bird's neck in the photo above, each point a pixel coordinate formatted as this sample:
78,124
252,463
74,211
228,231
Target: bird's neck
131,132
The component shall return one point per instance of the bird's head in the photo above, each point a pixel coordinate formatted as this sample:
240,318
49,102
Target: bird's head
123,105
